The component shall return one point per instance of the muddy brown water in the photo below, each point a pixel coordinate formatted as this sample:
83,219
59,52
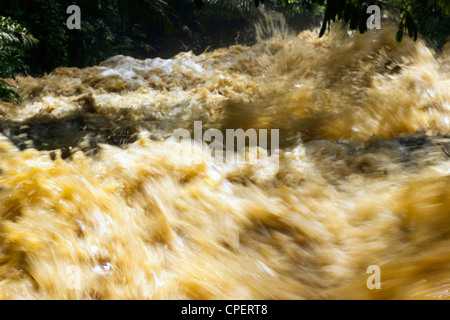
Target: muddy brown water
95,202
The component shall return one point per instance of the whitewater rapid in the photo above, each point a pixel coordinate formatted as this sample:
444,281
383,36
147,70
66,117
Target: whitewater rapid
96,203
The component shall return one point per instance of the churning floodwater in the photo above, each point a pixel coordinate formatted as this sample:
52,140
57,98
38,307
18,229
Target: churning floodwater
95,202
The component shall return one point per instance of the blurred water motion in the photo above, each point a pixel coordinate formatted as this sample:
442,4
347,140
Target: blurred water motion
93,193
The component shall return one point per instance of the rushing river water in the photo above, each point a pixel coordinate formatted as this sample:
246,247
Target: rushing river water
95,202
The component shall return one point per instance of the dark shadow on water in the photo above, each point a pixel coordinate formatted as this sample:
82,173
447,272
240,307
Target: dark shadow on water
73,132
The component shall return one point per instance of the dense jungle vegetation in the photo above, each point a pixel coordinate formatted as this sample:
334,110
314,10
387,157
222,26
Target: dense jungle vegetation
34,38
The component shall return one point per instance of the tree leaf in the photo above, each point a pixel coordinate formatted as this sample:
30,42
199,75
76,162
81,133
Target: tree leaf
399,35
323,28
354,19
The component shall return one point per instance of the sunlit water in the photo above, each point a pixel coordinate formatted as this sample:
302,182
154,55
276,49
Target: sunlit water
95,202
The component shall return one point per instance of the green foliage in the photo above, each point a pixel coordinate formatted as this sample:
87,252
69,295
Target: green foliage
432,20
443,4
14,36
425,16
108,27
7,94
146,28
239,5
46,21
415,15
14,41
406,24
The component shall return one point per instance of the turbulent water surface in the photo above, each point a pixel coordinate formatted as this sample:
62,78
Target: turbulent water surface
95,202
